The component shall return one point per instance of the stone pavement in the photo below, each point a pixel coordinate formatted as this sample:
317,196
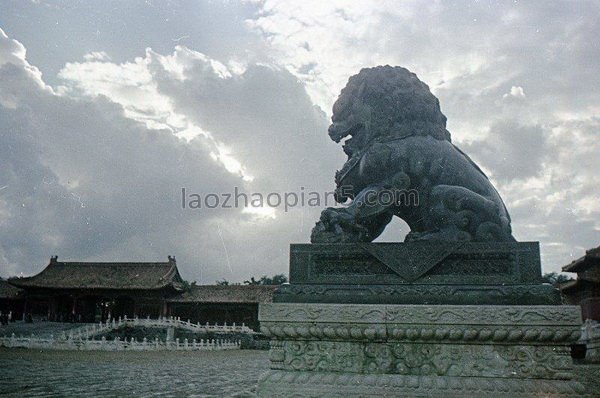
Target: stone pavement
31,373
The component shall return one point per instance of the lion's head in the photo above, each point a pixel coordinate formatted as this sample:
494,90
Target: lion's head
385,102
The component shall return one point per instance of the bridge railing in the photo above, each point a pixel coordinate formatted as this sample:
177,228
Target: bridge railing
117,344
91,330
590,330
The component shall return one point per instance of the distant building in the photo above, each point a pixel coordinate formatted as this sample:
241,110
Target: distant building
88,292
222,303
11,300
92,292
585,290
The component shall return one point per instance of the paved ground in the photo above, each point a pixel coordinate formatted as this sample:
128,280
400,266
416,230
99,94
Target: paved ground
31,373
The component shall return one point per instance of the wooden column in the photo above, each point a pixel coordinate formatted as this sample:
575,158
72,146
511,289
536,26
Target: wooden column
25,307
74,309
164,309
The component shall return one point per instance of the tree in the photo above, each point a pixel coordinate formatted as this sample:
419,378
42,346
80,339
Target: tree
555,278
265,280
278,279
187,286
222,282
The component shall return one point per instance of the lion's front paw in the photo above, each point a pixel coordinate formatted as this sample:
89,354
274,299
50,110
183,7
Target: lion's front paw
338,226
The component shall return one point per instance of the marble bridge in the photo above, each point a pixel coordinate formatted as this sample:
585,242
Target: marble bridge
84,337
94,329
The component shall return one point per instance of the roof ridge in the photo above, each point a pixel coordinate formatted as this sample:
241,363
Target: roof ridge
103,275
169,272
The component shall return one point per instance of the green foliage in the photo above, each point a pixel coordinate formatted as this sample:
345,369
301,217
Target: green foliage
187,285
555,278
265,280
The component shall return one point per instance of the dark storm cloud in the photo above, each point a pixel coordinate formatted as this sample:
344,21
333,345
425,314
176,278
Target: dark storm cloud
267,119
100,185
517,81
73,28
83,180
511,151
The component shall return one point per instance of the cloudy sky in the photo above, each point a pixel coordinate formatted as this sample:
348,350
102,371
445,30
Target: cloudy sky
109,108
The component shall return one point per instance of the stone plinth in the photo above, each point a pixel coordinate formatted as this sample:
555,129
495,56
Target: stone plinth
417,273
393,350
590,337
419,319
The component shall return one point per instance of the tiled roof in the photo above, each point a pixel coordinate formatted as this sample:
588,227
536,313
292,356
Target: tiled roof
8,291
227,294
119,275
591,258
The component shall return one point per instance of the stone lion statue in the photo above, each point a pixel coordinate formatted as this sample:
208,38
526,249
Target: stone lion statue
401,162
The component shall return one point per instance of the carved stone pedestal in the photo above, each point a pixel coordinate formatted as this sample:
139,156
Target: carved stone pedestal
417,273
397,350
420,319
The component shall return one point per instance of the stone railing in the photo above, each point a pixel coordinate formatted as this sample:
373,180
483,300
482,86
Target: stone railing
590,336
590,330
92,330
117,344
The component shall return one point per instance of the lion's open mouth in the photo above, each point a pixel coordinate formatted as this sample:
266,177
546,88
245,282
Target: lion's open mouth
337,132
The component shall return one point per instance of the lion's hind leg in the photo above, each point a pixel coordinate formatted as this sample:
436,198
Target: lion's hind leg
459,214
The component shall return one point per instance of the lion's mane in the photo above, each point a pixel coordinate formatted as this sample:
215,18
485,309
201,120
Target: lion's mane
400,103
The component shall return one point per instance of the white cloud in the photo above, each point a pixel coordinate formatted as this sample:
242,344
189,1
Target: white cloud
477,59
97,56
241,99
516,92
134,86
87,177
12,54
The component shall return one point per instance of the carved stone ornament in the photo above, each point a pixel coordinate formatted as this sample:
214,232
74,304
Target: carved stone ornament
402,163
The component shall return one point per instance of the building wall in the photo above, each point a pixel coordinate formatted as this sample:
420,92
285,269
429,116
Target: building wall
87,305
590,308
13,306
585,294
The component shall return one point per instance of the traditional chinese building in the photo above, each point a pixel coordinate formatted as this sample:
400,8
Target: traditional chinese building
221,303
11,300
585,290
91,291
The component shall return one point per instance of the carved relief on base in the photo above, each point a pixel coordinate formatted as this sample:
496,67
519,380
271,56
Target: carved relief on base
276,383
511,361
